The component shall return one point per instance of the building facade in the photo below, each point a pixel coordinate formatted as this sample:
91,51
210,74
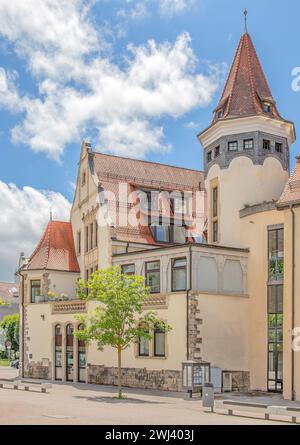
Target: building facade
218,249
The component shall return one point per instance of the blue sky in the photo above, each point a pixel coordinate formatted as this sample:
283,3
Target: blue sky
155,98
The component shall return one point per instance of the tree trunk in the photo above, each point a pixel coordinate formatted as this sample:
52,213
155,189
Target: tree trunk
119,373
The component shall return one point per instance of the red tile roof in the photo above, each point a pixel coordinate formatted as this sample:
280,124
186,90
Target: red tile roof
147,174
246,87
56,249
9,292
137,174
291,193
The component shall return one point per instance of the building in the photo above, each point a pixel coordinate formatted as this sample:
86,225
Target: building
216,247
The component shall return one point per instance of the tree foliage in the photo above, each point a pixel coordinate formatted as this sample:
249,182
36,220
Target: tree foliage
119,319
11,327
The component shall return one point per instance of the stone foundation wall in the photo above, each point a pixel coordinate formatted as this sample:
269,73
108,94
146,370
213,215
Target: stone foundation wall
166,380
38,370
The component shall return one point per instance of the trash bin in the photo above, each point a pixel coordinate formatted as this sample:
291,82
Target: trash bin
208,396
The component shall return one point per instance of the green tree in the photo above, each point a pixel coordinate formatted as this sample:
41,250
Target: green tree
118,320
11,326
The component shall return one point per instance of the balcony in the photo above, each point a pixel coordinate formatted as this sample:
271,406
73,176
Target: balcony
69,307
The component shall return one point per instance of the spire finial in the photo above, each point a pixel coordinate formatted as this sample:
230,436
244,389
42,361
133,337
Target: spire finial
246,14
51,215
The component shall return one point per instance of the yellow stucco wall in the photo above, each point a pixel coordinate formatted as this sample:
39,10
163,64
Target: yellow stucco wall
255,236
287,304
224,331
260,183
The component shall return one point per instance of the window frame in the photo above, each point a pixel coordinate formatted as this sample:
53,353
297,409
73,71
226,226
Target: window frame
155,333
148,271
128,265
140,354
279,147
266,144
247,141
209,156
35,287
217,151
231,143
174,269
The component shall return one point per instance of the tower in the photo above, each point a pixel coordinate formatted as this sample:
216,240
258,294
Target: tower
246,147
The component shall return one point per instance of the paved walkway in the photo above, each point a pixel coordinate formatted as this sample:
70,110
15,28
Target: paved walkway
79,404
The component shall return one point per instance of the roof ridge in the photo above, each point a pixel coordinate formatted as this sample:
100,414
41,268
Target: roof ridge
147,162
253,89
238,59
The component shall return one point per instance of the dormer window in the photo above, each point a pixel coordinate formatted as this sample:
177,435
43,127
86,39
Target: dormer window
267,107
220,113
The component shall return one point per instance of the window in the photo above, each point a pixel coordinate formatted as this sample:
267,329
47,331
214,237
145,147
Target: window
153,276
149,199
220,113
91,236
215,231
69,352
267,107
278,147
178,234
275,337
217,151
276,254
248,144
144,345
96,234
86,238
214,214
79,242
128,269
178,274
209,156
35,293
159,343
58,352
233,146
181,204
81,358
169,233
162,233
215,201
266,144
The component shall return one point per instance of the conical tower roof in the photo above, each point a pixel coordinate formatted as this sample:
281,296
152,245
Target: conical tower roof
246,91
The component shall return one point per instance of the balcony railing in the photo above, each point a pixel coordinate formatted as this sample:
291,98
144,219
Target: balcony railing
69,307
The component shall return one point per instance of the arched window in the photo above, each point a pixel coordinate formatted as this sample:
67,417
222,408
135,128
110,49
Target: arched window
81,358
144,342
58,352
70,353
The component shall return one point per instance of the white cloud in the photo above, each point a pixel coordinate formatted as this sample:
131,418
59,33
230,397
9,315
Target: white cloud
81,91
136,12
173,7
24,214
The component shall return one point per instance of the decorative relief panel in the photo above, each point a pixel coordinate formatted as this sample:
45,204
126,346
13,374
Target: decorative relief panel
68,307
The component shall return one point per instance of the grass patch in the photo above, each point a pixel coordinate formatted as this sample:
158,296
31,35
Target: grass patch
4,362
